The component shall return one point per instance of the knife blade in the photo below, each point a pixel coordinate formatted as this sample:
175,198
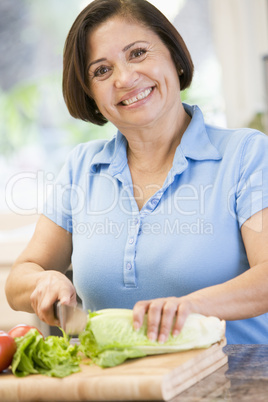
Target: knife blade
72,319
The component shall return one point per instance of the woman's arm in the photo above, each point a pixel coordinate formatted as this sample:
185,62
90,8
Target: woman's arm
37,278
242,297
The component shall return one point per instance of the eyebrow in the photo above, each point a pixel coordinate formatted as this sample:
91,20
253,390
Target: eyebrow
124,50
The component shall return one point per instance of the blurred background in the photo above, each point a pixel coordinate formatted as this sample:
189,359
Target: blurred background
228,41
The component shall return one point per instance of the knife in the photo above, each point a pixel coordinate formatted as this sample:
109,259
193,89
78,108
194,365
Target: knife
72,319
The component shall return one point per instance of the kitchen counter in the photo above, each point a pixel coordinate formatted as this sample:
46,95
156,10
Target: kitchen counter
244,378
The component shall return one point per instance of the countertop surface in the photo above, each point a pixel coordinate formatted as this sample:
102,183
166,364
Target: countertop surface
244,378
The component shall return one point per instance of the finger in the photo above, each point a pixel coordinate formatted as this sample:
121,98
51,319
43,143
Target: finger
42,303
67,298
168,313
33,300
67,293
139,310
46,311
182,313
154,318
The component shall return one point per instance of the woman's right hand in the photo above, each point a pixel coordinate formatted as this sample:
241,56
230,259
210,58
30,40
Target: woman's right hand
51,287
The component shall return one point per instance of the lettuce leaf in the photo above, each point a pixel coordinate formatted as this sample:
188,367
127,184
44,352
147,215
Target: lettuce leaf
109,337
53,356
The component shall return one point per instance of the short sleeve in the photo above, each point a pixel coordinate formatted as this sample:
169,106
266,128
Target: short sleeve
252,188
58,206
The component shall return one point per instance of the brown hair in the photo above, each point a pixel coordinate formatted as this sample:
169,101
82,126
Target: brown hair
75,82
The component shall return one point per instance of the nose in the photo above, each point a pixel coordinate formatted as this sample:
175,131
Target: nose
125,76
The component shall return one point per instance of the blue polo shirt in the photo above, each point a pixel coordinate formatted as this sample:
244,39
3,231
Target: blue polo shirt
186,237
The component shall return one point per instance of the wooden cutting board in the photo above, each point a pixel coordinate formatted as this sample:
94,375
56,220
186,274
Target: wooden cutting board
154,378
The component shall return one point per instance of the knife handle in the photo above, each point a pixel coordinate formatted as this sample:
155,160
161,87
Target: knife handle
55,309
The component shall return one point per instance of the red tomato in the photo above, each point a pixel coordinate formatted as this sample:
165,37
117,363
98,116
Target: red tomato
21,330
7,349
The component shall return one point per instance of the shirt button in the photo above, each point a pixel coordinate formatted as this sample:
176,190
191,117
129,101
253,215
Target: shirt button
129,266
131,240
154,201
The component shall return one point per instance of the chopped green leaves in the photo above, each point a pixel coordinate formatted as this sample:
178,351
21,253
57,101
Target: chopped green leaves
53,356
109,338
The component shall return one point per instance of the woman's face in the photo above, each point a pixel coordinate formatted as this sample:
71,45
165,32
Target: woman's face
132,77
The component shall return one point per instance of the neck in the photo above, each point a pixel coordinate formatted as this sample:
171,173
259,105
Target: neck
152,149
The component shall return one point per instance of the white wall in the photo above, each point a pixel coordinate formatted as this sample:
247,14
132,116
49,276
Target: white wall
240,30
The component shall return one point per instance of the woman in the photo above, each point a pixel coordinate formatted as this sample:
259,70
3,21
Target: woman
170,216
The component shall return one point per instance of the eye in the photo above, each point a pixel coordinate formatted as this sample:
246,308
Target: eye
138,53
101,71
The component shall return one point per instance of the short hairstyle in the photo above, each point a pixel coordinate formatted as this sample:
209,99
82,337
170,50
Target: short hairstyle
75,84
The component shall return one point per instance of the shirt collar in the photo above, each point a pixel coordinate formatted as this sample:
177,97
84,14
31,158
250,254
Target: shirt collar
195,144
114,153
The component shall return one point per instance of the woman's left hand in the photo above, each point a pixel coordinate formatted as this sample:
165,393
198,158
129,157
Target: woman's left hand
162,313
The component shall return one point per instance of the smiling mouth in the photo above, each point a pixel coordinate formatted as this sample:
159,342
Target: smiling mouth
140,96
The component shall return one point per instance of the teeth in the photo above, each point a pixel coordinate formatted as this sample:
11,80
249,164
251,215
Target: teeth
138,97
